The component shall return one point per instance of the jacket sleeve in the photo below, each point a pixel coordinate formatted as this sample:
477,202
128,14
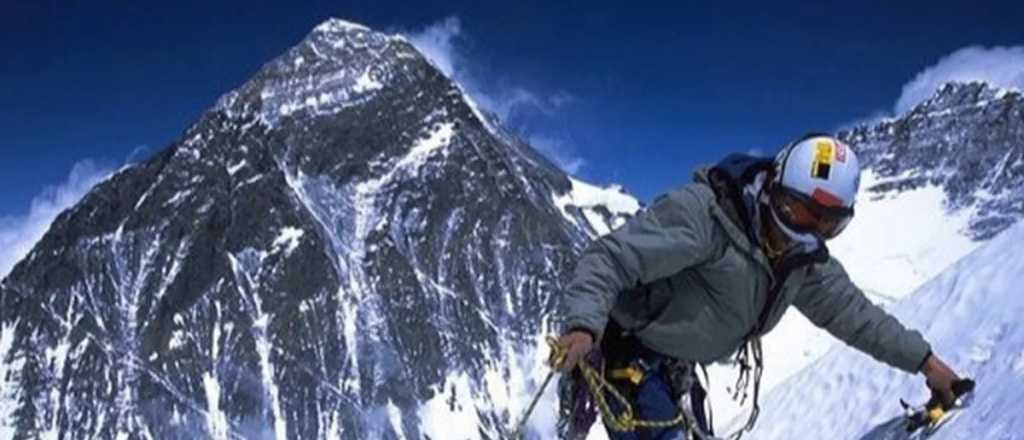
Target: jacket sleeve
673,234
831,301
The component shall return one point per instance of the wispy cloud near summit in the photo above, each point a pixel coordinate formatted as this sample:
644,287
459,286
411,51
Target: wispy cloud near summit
999,66
19,234
441,41
437,43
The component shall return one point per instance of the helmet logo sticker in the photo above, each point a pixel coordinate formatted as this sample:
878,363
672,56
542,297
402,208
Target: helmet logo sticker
821,168
840,152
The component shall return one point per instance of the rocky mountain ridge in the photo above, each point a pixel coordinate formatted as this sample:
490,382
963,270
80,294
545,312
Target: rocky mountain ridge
343,247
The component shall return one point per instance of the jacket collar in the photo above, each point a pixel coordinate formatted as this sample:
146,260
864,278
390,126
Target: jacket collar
731,215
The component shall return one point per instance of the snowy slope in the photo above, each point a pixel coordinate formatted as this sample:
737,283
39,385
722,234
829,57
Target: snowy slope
900,240
970,314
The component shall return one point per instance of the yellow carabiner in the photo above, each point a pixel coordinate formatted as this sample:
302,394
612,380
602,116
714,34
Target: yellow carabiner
631,373
935,414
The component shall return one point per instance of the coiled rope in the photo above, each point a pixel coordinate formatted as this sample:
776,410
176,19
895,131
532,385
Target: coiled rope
626,421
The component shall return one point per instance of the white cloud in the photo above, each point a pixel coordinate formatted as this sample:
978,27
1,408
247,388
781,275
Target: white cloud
138,154
999,66
560,152
503,103
18,234
437,43
440,43
506,101
561,98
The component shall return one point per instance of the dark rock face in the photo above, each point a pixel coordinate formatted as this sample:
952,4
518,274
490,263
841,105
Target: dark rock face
967,139
330,243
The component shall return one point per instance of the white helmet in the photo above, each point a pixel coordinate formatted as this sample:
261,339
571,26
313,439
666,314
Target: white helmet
814,187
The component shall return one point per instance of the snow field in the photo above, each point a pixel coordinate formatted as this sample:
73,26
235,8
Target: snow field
971,316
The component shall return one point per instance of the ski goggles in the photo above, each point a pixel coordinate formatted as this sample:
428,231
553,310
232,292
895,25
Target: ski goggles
805,215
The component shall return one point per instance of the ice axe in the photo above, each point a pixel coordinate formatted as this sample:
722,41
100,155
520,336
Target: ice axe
555,360
934,414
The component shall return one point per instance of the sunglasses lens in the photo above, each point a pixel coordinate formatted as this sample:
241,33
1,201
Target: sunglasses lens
804,215
795,214
838,226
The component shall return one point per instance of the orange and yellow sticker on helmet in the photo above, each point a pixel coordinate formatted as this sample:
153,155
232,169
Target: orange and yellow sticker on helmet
840,152
821,168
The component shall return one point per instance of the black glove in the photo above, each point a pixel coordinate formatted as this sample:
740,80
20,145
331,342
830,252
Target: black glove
941,380
575,344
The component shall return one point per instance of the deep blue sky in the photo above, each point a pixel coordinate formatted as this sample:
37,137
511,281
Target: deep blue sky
656,90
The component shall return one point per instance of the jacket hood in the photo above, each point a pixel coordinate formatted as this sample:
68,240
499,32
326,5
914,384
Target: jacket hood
729,179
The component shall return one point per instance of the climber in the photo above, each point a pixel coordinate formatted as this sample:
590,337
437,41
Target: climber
708,269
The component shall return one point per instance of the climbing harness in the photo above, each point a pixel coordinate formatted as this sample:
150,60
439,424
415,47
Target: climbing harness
599,388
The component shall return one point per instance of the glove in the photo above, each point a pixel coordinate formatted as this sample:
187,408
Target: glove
944,383
575,345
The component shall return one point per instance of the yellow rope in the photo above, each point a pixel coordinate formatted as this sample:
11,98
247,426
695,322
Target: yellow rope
627,421
596,384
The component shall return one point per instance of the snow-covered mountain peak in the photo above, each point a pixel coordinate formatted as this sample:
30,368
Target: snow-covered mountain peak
965,139
954,96
335,25
337,66
340,34
341,248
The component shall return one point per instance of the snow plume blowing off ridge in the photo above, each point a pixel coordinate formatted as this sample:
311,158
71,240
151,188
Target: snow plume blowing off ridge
999,66
970,314
18,234
440,44
437,43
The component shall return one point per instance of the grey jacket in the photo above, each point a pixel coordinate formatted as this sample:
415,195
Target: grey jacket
686,278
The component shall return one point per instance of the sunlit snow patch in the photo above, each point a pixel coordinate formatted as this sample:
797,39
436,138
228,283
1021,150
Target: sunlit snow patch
288,239
217,422
449,417
590,200
898,241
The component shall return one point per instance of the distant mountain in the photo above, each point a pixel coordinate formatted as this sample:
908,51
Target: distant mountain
967,139
343,247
